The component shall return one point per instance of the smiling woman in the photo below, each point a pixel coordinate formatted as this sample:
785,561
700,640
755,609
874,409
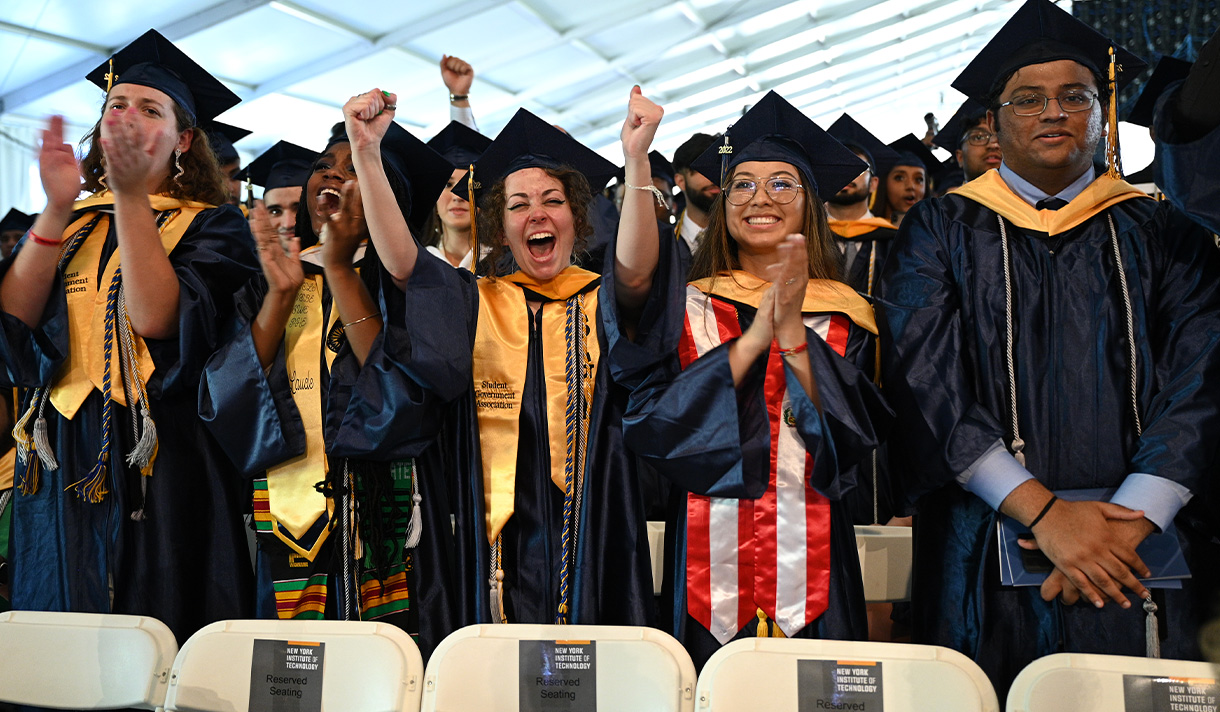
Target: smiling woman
113,478
769,352
529,368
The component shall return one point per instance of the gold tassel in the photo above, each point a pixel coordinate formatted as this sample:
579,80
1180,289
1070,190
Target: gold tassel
1114,167
762,624
110,77
474,219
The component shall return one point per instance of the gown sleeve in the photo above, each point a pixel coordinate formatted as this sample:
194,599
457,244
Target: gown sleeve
944,429
31,357
712,438
392,407
1187,170
250,412
213,261
1183,410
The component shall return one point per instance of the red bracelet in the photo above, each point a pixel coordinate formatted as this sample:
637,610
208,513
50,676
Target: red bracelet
802,348
43,241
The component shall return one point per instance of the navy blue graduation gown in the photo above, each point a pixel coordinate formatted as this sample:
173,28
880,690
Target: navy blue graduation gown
682,422
1187,170
943,352
417,386
187,562
258,424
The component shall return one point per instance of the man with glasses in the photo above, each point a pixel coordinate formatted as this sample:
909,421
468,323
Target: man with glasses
1049,342
970,138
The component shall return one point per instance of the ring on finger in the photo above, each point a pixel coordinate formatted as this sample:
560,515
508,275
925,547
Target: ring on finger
790,282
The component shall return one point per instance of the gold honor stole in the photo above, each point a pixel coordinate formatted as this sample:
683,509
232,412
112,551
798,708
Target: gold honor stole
501,352
292,501
84,366
991,191
848,229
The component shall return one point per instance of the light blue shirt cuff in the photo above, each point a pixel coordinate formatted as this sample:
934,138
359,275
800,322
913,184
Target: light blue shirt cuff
1159,498
994,475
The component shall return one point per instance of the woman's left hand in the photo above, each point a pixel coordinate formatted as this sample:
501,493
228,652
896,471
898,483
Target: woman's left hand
643,117
790,278
343,231
367,116
129,154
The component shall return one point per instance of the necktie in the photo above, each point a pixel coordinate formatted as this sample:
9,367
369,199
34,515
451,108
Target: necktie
1051,203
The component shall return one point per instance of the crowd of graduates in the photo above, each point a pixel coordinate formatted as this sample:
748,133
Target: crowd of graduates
448,382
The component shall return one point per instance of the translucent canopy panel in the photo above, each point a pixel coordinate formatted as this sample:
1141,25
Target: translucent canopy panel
294,62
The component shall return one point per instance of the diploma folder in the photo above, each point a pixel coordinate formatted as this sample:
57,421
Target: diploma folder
1160,551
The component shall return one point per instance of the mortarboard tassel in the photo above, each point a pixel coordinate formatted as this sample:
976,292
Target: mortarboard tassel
1114,166
474,217
415,526
762,624
1152,634
110,77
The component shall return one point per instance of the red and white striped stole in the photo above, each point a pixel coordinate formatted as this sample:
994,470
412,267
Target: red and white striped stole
770,553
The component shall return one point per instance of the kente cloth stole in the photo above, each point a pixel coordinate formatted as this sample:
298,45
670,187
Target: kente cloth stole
312,338
301,581
501,353
770,554
990,190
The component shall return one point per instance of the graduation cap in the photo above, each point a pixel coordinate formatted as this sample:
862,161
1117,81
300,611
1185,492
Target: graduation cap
851,134
529,142
221,138
459,144
14,219
422,170
774,130
153,61
912,152
661,167
283,165
966,118
1041,32
1167,71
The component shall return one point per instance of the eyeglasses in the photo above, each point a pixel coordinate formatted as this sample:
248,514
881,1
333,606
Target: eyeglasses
980,138
1035,104
782,190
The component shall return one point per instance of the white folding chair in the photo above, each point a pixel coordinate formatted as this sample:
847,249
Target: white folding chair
1092,683
84,660
481,667
885,562
798,674
363,665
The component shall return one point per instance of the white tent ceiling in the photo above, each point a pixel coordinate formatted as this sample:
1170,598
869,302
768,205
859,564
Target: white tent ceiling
294,62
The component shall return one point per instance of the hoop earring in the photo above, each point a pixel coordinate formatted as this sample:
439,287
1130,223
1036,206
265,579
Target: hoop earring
178,166
102,178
